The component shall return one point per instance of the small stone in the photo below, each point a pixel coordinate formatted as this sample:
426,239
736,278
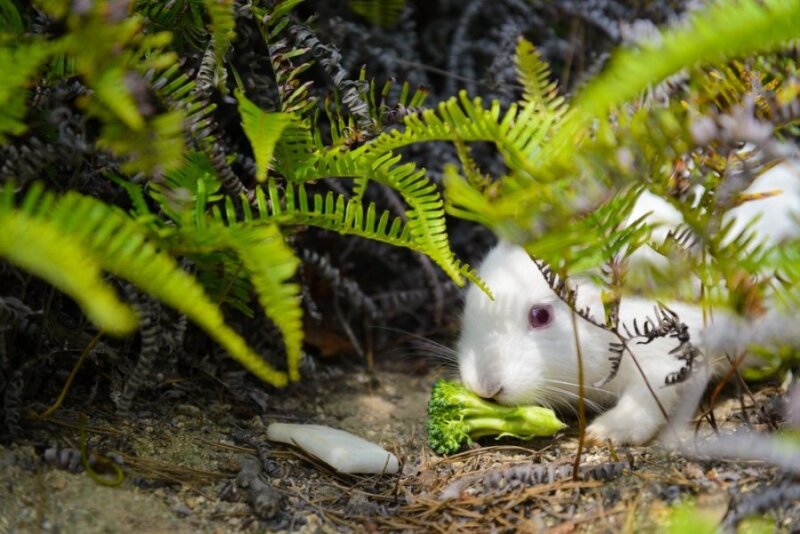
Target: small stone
182,510
188,410
694,471
345,452
195,501
58,483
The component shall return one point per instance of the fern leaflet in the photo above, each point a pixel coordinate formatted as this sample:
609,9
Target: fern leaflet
271,263
518,133
42,248
120,247
10,19
724,30
329,212
17,64
223,23
381,12
534,74
263,129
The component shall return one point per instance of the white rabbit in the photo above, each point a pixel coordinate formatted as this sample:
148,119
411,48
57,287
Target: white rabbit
521,347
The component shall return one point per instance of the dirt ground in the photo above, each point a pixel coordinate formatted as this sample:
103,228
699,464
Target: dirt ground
192,467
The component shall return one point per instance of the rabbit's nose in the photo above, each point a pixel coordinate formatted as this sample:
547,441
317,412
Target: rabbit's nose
497,394
488,389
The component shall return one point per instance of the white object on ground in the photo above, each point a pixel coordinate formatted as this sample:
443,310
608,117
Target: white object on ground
345,452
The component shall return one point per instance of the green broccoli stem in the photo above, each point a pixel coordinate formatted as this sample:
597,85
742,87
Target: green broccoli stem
521,422
471,404
486,418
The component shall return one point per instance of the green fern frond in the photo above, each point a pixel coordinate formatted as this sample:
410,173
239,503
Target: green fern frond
296,151
383,110
335,213
283,8
266,261
345,131
183,196
650,139
641,145
263,130
225,280
184,18
784,260
156,148
472,275
119,246
115,82
380,12
61,66
475,177
181,95
426,220
724,30
111,90
10,19
293,93
518,133
178,193
534,75
465,200
339,124
18,64
587,241
223,26
179,92
140,210
270,264
416,99
329,212
344,216
12,114
116,69
42,248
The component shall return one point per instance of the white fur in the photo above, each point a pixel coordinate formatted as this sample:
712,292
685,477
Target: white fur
501,357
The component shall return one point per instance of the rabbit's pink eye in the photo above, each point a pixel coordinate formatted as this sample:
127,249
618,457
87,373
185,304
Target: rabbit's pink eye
540,315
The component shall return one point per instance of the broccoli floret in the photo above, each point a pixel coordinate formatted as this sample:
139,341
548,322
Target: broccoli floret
456,416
